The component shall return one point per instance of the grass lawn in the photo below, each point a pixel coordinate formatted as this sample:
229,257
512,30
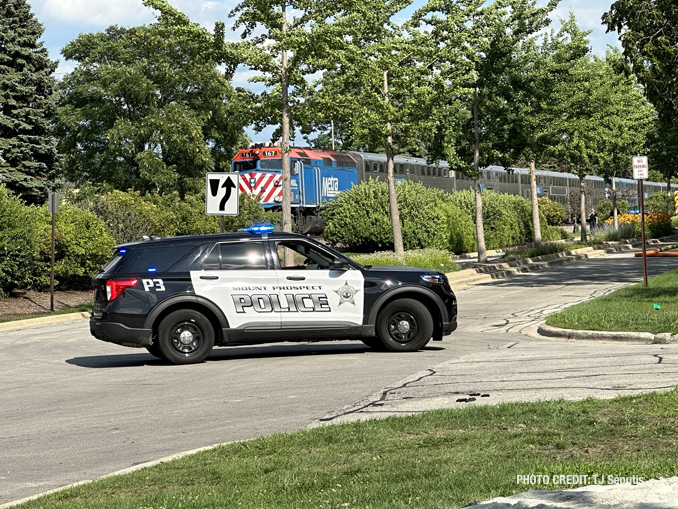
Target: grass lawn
627,309
442,459
75,309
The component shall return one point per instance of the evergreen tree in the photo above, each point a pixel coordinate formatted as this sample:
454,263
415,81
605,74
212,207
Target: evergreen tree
28,151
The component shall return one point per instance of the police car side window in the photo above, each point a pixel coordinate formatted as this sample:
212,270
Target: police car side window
236,256
305,256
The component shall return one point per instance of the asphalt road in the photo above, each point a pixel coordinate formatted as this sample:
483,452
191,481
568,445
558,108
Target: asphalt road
74,408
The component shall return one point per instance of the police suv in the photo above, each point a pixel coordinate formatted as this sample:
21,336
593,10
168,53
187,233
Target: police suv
180,296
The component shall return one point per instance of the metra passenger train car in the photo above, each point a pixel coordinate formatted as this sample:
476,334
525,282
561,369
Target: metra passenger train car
320,175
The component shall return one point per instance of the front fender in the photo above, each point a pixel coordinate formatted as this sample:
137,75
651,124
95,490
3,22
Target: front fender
372,319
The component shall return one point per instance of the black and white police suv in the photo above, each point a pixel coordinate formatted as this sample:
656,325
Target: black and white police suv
180,296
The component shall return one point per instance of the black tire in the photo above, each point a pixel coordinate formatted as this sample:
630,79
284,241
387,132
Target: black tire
185,337
155,351
374,343
405,325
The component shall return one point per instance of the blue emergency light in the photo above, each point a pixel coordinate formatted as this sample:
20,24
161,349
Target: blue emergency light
262,228
152,269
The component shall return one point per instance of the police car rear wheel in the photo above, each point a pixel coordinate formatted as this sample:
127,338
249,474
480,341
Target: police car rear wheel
405,325
185,337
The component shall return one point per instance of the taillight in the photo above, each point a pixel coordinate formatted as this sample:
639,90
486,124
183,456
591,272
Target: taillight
115,287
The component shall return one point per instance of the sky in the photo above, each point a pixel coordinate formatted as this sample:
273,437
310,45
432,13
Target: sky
64,20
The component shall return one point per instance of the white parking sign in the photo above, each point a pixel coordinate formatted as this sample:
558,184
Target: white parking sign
222,192
640,168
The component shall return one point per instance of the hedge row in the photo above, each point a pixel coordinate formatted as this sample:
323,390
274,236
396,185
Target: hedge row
431,218
89,225
82,244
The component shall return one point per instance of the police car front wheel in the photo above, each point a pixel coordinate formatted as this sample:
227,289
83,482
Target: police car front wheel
185,337
405,325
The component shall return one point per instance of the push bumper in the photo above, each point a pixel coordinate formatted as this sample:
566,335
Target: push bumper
112,332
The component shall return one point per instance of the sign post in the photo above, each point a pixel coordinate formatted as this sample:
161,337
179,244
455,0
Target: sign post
640,173
53,199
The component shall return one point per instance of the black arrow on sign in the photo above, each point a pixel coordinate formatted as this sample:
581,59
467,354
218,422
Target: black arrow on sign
229,185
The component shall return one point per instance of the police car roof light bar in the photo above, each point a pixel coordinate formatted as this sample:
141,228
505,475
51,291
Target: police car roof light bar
263,228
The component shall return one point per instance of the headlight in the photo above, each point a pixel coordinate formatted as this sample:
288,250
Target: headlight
435,279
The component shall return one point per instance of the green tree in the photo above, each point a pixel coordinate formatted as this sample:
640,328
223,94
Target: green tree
648,31
483,41
373,85
624,120
28,155
147,108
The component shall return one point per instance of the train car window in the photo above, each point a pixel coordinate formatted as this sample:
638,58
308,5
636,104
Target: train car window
244,165
307,162
270,164
327,161
445,174
345,161
381,167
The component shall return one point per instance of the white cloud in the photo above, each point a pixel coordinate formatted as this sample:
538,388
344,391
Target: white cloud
100,13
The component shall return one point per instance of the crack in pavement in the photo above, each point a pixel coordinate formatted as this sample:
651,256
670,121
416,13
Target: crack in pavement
384,394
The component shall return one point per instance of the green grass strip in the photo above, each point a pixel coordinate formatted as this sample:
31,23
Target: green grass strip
435,259
75,309
446,458
545,249
628,309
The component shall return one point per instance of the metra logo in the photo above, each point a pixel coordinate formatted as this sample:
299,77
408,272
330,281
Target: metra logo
330,186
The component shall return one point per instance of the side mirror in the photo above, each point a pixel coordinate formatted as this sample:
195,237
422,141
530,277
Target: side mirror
339,264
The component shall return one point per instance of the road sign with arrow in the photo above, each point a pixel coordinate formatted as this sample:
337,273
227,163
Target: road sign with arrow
221,194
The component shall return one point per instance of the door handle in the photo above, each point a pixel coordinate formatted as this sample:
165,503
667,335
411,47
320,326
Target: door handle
295,278
209,277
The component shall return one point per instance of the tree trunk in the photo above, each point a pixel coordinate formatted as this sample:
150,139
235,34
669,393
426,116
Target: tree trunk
615,218
536,227
390,178
285,148
670,203
582,208
480,232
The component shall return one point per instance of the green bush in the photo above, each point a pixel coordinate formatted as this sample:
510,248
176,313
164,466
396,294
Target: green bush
606,232
360,219
656,202
604,208
129,216
507,218
553,211
82,245
461,231
550,233
18,242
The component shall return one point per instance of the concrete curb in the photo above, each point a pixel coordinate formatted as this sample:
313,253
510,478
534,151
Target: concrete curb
43,320
636,337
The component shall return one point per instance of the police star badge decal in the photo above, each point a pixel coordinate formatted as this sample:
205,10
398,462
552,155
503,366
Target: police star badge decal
346,294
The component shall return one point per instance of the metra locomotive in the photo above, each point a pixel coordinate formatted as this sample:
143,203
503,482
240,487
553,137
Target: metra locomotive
320,175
